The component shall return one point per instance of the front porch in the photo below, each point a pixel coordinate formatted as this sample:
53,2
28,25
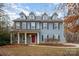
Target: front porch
24,38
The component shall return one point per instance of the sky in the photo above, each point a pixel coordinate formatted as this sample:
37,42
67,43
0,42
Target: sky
13,9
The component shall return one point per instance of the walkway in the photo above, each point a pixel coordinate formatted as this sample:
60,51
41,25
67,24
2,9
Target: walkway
76,45
73,45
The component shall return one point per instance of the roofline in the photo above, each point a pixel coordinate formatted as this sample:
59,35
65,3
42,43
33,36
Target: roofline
39,21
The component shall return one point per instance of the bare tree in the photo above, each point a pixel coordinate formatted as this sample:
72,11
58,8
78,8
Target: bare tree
73,8
4,18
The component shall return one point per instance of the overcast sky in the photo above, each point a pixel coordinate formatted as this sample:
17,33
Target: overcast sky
13,9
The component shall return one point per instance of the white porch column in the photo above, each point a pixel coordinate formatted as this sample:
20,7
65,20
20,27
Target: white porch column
25,38
11,38
38,38
18,38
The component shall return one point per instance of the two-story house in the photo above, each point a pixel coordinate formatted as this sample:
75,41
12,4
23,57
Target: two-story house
35,29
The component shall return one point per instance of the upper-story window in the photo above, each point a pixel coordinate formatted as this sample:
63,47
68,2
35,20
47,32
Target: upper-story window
37,25
61,25
44,25
58,25
31,16
28,25
54,16
17,25
23,25
45,16
32,25
55,25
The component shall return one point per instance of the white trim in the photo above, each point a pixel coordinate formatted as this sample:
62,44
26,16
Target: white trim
11,38
38,38
18,38
25,39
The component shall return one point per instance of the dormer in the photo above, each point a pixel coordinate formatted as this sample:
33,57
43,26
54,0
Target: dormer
31,16
22,15
54,16
45,16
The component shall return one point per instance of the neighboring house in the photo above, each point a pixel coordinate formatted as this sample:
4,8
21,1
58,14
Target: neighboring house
71,24
35,29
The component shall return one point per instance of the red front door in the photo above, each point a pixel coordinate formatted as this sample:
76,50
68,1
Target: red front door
33,38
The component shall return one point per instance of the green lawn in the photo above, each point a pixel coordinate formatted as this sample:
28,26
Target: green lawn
38,51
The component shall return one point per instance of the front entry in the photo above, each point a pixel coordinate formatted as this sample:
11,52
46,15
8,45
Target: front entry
31,38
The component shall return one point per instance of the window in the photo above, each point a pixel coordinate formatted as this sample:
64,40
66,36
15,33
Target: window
42,37
28,25
61,25
23,25
31,17
47,25
44,25
45,17
55,25
37,25
54,17
32,25
17,25
47,36
58,25
58,37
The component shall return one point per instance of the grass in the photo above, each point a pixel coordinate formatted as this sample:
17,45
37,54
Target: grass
22,50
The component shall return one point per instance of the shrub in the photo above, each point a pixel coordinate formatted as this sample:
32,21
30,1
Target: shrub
4,38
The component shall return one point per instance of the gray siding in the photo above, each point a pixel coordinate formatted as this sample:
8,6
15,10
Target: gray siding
45,31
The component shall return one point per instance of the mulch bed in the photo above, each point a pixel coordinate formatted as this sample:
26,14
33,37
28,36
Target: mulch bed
13,46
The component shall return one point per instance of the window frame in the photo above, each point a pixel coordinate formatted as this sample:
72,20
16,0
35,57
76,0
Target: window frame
55,25
42,38
19,27
45,25
24,25
31,17
45,17
32,23
58,25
